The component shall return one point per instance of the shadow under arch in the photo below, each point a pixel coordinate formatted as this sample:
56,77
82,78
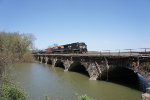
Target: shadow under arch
77,67
49,61
44,60
126,77
60,64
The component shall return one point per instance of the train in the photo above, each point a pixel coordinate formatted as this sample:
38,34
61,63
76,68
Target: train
78,47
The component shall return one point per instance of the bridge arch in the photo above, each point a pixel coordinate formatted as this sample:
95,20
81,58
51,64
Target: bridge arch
49,61
60,64
79,68
39,58
43,60
125,76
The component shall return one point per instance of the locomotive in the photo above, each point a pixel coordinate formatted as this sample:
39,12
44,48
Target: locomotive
78,47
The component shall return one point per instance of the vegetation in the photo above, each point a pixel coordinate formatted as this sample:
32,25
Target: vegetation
84,97
14,48
12,92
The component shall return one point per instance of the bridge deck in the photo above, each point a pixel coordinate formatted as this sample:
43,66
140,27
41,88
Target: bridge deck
100,55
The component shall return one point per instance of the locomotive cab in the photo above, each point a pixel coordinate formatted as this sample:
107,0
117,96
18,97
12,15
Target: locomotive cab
83,47
79,47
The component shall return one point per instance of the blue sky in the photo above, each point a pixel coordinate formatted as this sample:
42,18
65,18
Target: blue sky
101,24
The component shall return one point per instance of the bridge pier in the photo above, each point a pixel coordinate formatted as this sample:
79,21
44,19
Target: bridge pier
54,60
93,72
93,69
46,60
67,64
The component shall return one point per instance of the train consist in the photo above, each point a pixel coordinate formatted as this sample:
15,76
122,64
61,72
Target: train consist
78,47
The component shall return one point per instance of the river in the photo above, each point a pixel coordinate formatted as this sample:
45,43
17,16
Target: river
40,80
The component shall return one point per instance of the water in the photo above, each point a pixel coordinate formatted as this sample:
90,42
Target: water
41,80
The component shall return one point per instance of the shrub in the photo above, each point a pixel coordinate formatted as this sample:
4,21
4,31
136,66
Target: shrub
11,92
84,97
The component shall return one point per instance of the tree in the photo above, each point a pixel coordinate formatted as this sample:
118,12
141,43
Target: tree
14,47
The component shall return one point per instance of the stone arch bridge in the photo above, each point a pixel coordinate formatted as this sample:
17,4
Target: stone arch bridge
96,64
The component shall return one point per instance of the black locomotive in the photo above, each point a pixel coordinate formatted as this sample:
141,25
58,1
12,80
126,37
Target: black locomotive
78,47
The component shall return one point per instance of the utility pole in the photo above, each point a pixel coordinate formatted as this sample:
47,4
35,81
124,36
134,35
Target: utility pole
118,51
145,49
130,51
107,67
100,53
108,51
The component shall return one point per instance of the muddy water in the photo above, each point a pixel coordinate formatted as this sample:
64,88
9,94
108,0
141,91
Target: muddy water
41,80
